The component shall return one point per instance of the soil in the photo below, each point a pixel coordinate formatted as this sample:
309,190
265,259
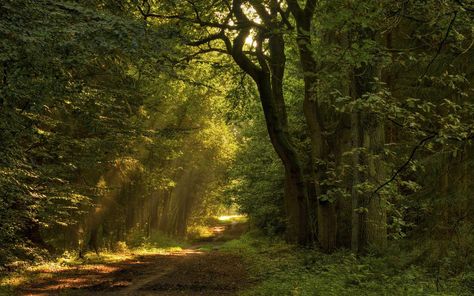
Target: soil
191,271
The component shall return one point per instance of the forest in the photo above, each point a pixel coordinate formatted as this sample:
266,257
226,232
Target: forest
236,147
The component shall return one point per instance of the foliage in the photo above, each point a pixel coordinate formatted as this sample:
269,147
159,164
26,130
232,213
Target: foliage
255,183
66,91
282,269
124,122
95,123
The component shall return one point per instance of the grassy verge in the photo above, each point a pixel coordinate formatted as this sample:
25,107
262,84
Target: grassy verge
158,244
137,245
207,230
281,269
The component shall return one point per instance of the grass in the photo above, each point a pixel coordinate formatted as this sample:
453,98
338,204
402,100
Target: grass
277,268
205,232
137,245
156,244
232,218
281,269
198,232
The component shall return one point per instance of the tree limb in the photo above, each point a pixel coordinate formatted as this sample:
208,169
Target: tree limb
440,47
407,162
463,5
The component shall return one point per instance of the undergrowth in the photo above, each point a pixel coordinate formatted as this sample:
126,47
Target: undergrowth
277,268
122,251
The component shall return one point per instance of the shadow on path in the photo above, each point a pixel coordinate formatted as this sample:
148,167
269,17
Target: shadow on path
187,272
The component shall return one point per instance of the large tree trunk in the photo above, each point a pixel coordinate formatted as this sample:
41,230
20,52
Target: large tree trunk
321,152
343,202
298,224
369,227
296,198
268,75
154,211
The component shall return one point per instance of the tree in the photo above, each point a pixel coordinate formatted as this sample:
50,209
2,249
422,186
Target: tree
264,61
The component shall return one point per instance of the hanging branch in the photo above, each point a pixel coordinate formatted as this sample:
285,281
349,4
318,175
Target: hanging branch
400,169
463,5
440,47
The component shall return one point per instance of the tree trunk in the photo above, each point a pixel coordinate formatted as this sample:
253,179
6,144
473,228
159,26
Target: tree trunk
164,217
320,143
154,211
268,77
326,209
296,199
369,210
93,243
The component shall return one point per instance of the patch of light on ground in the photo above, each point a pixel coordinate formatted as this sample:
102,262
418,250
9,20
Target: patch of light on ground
231,217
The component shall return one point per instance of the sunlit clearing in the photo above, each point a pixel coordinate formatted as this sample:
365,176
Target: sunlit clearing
229,218
199,231
218,229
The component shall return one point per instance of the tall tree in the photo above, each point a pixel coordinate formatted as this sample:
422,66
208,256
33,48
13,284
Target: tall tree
263,59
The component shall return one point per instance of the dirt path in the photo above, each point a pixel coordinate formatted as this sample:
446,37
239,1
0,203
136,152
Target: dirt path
190,271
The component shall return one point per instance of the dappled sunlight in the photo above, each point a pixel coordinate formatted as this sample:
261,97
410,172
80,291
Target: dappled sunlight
218,229
132,267
133,272
55,268
98,268
187,252
107,257
150,250
176,251
13,280
232,218
66,283
108,269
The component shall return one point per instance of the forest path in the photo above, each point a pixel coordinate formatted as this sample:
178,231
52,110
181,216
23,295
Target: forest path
201,269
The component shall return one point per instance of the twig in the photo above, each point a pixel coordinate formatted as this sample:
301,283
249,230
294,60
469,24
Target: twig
400,169
440,47
463,5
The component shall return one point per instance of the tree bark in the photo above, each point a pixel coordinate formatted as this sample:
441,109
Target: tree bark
369,210
320,143
298,228
268,75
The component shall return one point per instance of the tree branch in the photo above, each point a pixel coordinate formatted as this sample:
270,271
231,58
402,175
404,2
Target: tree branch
261,11
310,7
295,8
206,40
285,17
400,169
237,48
463,5
197,20
440,47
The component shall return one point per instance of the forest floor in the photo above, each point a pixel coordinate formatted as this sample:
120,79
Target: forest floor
222,261
200,269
